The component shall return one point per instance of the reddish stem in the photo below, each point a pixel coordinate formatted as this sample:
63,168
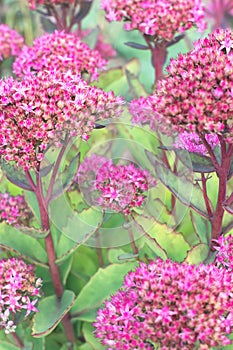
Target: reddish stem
158,56
17,340
222,175
53,268
206,198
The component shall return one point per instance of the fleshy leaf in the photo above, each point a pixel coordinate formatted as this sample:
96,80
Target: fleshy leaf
88,332
51,312
16,241
7,346
15,175
196,162
100,286
184,190
65,178
197,254
202,227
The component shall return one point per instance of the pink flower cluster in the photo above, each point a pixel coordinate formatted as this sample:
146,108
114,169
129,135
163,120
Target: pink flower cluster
120,188
13,210
34,3
61,51
19,291
11,42
161,19
197,94
43,108
191,142
176,306
224,248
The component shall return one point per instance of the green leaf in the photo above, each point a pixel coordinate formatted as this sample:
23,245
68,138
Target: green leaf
31,200
15,175
202,227
136,88
120,256
65,178
184,190
16,241
194,161
115,79
197,254
79,228
167,243
51,312
100,286
7,346
32,231
88,332
65,269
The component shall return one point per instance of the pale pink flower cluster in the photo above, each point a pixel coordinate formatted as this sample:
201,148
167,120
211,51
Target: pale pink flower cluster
19,291
220,11
34,3
191,142
161,19
197,94
61,51
43,108
11,42
13,209
120,188
170,304
224,248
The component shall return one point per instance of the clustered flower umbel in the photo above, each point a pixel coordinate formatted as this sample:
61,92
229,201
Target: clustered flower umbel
120,188
197,94
13,209
59,51
11,42
191,142
224,248
34,3
19,291
161,19
42,108
170,304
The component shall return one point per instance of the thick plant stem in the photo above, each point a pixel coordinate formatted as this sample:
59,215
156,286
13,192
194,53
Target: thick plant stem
53,268
223,176
17,340
158,57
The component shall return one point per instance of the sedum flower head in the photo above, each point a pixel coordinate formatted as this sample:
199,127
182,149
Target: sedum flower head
161,19
224,248
197,94
176,306
61,51
11,42
120,188
19,291
13,209
191,142
45,108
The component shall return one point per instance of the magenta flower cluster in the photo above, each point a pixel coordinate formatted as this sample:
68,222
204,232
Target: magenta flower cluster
224,248
197,94
19,291
58,51
11,42
191,142
13,209
120,188
160,19
169,304
45,108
